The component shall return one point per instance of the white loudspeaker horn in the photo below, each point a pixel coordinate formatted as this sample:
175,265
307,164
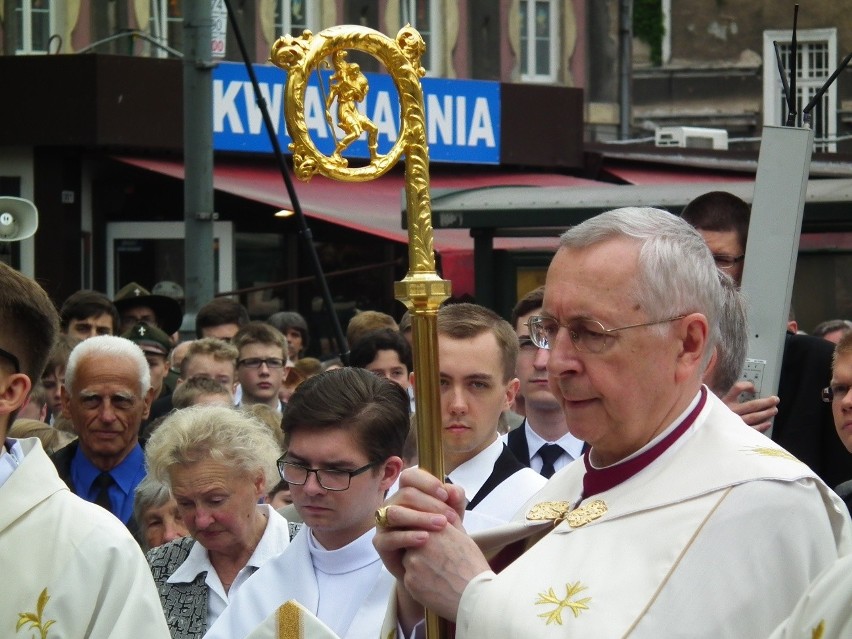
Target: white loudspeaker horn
18,219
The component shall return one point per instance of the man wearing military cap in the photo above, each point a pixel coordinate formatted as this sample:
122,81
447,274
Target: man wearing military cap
156,346
137,304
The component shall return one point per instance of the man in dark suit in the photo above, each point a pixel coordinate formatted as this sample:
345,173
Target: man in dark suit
542,441
107,394
804,424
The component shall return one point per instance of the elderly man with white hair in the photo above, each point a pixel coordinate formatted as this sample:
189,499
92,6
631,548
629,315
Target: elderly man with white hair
679,521
106,395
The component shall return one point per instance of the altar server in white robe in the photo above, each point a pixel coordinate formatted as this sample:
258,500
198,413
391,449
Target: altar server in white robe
71,568
680,520
824,611
344,433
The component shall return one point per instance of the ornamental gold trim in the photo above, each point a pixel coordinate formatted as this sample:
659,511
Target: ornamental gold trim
587,513
766,451
35,619
549,511
550,598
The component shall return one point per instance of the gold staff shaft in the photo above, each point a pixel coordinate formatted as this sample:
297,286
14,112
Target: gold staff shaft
422,290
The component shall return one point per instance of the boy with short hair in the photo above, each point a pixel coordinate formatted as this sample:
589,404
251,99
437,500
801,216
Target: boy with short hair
85,314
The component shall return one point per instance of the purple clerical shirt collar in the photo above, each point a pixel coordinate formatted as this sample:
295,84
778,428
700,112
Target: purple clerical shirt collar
598,480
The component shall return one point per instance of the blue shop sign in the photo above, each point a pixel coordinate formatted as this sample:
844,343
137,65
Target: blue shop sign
462,116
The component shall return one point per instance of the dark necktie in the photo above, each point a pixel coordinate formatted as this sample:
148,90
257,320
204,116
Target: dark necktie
102,483
549,453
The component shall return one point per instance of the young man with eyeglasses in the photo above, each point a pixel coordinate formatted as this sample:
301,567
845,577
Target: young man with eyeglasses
76,569
542,441
344,432
261,364
803,425
680,519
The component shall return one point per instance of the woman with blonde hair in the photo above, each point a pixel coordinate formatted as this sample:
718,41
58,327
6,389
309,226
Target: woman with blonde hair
218,464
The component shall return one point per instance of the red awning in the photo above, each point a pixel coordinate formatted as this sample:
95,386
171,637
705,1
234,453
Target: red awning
374,207
672,175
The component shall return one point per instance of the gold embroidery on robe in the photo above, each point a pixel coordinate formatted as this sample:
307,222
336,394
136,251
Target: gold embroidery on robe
587,513
772,452
289,621
34,619
550,598
549,510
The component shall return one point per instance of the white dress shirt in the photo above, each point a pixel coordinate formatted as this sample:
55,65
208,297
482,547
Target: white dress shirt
572,447
276,537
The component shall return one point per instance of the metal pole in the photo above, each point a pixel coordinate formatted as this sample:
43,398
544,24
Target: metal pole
625,67
198,159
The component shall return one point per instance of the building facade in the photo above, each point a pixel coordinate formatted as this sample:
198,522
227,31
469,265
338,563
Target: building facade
98,135
94,134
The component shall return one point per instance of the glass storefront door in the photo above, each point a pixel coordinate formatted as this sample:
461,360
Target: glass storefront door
152,252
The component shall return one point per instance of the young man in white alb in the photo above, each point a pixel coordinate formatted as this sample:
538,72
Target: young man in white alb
344,432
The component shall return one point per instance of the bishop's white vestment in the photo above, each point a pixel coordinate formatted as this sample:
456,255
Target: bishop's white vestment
718,537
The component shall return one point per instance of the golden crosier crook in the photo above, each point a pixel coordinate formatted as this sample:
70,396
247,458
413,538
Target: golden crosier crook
422,290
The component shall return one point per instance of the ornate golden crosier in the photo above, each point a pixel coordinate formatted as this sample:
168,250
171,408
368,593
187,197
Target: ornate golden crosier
422,291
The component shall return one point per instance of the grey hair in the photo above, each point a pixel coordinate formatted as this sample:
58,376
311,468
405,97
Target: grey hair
732,344
109,346
150,493
677,273
214,433
829,326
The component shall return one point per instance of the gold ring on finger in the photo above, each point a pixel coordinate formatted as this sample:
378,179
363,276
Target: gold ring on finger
382,517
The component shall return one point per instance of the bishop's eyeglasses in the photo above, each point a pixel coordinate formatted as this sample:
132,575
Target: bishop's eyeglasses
588,335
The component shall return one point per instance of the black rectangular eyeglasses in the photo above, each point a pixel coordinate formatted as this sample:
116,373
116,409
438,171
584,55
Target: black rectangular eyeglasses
257,362
329,479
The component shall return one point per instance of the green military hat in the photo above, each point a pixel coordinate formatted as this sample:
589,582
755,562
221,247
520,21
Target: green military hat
167,309
149,338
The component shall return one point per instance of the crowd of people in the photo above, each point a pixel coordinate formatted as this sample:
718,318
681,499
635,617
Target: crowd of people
604,475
